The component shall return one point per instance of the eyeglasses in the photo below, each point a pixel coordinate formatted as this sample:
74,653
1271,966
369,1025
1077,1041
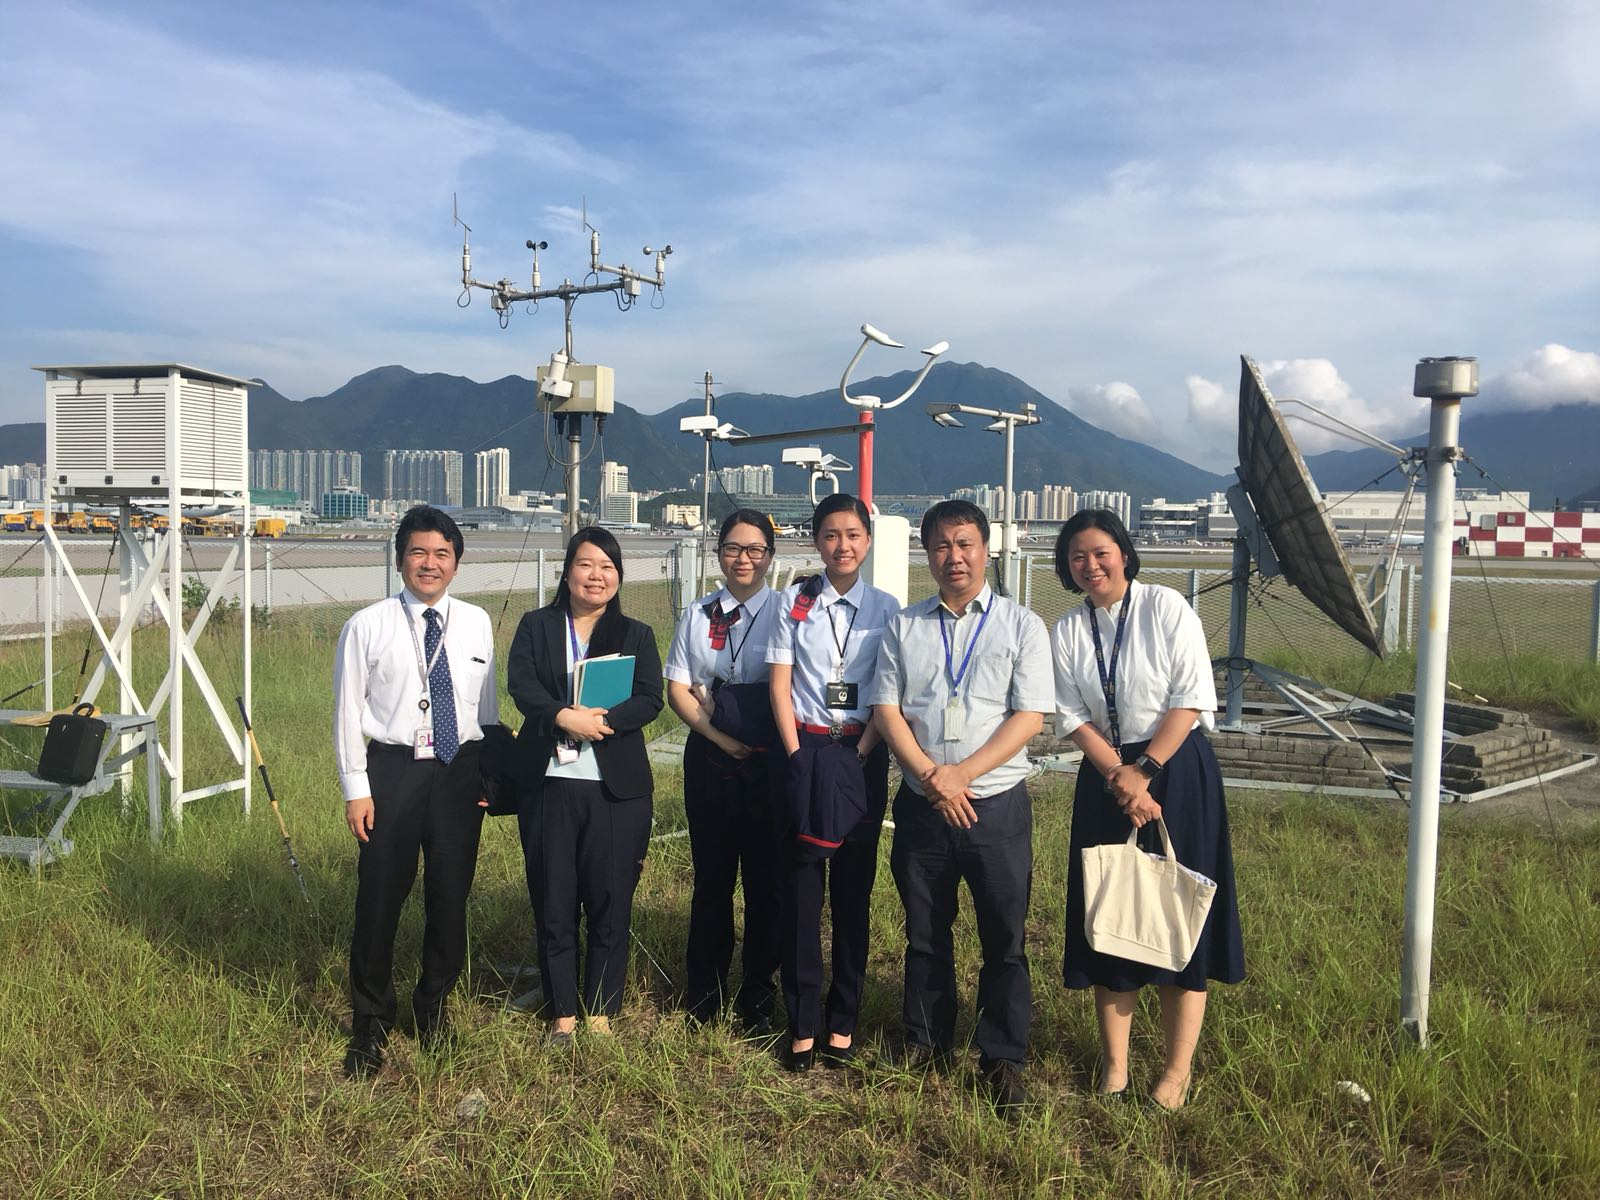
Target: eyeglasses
735,551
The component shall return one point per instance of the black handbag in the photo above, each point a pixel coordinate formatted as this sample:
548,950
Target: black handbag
72,746
497,765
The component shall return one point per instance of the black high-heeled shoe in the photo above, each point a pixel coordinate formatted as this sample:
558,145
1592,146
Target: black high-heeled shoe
836,1058
798,1062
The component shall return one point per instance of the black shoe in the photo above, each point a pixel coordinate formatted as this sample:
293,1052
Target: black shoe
364,1057
836,1058
919,1059
798,1062
755,1024
434,1032
1003,1080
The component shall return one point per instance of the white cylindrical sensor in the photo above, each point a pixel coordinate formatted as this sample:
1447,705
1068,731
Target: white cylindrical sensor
1438,378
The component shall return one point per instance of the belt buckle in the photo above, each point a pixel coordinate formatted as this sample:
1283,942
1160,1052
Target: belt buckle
836,731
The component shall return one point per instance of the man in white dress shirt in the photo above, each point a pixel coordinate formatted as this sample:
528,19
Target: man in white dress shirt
414,684
963,681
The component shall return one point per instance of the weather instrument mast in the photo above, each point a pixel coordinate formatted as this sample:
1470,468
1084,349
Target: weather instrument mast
568,390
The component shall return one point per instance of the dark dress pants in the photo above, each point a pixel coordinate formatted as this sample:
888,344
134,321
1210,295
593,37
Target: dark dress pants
589,848
929,859
424,807
847,879
735,830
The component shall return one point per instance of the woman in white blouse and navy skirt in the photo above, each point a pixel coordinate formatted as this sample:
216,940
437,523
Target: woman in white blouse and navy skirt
717,684
1134,690
823,651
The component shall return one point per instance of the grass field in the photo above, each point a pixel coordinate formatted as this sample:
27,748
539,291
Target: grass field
170,1024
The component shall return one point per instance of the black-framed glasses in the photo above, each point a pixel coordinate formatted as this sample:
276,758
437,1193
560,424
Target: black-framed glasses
735,551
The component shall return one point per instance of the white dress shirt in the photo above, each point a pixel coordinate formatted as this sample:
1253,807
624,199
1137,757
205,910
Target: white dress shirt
1008,670
742,659
1163,664
377,681
812,647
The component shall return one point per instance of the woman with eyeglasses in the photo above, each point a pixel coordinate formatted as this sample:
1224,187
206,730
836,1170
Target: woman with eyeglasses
823,651
585,786
717,684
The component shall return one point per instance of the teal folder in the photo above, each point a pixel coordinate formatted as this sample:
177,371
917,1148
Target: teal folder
605,681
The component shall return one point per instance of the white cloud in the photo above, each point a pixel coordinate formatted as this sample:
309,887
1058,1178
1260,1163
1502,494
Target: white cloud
1115,407
1551,375
1211,405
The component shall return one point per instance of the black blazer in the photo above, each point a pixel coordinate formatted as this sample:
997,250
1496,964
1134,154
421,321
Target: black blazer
536,676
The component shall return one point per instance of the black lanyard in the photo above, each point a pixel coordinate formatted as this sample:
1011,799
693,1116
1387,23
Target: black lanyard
1108,678
720,632
833,628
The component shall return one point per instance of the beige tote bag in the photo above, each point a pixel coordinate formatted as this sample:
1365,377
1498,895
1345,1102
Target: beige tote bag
1141,906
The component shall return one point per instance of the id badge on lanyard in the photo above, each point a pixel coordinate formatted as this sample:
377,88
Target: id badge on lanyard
955,713
838,694
422,739
567,748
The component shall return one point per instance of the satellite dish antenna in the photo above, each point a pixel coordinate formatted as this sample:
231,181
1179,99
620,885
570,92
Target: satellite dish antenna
1284,526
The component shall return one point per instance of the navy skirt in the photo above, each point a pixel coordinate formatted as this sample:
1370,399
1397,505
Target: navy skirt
1190,794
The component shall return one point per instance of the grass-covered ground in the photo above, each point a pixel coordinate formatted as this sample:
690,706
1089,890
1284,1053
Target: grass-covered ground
170,1024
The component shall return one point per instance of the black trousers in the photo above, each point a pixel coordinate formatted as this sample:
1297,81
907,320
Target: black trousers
584,850
847,879
929,860
735,829
424,807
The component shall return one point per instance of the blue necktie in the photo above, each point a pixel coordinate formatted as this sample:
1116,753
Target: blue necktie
441,693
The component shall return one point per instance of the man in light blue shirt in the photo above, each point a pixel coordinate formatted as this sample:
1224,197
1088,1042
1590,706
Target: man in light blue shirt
963,681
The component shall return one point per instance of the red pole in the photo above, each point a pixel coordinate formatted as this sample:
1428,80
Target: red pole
864,455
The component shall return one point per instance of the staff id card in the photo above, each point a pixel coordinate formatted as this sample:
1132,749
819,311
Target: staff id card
422,745
955,720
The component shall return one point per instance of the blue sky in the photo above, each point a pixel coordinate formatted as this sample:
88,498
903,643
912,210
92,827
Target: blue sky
1111,201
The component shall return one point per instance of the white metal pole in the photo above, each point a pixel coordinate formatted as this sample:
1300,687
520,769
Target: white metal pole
175,598
246,634
569,524
1428,731
1008,528
127,584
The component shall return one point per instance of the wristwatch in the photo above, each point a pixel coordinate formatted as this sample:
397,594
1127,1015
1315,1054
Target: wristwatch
1149,767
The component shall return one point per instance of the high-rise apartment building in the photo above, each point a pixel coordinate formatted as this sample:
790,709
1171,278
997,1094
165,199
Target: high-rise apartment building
307,473
754,480
491,475
1118,502
1055,502
613,478
423,476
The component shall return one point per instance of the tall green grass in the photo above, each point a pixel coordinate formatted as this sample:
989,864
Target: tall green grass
170,1024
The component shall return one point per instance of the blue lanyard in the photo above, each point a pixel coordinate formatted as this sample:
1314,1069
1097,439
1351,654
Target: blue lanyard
1108,678
577,655
956,676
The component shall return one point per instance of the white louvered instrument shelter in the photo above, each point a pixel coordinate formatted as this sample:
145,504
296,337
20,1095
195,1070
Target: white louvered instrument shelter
129,430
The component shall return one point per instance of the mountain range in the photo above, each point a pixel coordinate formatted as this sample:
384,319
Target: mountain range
1548,453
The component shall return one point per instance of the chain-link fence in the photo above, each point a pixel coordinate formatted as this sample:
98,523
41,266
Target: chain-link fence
311,586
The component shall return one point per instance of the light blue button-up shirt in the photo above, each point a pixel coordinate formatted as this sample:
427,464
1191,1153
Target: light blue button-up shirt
1009,671
812,647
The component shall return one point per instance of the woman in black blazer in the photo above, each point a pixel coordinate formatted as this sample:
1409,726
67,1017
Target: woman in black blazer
584,791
